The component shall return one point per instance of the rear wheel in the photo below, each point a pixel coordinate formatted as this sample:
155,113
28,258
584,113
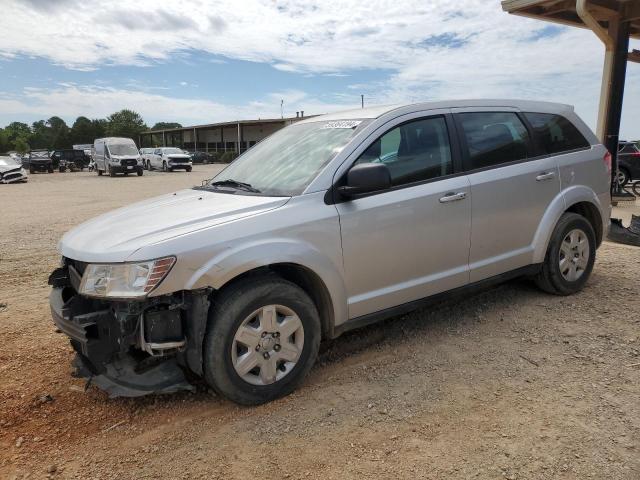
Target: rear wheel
262,339
570,256
140,171
623,176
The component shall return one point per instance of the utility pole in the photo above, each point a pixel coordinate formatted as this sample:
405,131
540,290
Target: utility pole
362,100
282,108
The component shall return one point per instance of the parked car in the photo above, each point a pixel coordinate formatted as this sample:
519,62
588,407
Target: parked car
202,157
70,159
115,155
628,162
169,159
328,225
11,170
145,156
39,161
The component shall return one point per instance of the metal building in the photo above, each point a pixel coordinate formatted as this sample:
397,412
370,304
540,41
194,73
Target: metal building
236,136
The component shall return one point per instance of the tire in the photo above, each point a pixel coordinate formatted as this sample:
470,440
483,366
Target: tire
50,170
140,172
164,166
32,170
557,280
99,173
62,169
189,169
112,172
623,176
233,307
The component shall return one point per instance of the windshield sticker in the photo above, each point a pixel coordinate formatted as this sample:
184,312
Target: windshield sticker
342,124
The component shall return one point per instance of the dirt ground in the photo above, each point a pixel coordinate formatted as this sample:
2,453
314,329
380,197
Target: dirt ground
511,383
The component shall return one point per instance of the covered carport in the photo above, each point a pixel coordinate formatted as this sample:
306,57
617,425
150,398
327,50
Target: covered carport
614,22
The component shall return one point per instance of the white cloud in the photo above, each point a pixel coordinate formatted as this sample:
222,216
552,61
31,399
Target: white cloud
75,100
436,49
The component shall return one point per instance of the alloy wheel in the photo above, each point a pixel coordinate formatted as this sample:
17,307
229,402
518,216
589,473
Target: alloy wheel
267,345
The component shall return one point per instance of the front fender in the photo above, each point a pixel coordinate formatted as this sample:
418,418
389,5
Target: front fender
232,262
564,200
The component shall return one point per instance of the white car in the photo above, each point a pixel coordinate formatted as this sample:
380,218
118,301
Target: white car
11,170
145,156
169,159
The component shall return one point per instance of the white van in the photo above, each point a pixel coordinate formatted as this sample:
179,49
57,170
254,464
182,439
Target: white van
116,155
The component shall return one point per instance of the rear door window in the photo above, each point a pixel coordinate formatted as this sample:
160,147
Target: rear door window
493,138
556,134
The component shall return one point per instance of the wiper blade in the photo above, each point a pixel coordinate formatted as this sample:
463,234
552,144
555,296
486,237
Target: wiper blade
234,183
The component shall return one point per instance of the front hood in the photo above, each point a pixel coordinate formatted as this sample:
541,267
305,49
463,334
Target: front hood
8,168
115,236
125,157
178,156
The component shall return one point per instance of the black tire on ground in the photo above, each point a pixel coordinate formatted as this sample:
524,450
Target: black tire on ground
189,169
140,171
550,278
229,310
61,169
112,172
623,176
50,170
99,172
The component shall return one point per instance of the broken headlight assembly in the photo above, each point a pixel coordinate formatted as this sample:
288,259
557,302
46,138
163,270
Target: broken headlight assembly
124,280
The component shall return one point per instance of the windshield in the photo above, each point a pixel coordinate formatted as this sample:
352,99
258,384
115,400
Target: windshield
9,162
122,149
39,154
172,150
285,163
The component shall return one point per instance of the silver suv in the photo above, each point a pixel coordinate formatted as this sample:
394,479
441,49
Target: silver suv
328,225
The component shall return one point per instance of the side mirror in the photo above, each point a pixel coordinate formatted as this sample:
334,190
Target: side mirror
366,178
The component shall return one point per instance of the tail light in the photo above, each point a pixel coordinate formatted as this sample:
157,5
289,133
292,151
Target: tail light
607,161
635,154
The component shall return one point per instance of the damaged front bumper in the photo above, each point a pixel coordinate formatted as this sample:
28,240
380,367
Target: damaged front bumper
130,348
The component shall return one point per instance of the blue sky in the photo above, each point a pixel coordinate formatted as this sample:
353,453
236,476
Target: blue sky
201,61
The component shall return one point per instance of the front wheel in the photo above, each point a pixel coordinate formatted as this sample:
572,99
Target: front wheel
262,340
112,172
140,171
570,256
189,169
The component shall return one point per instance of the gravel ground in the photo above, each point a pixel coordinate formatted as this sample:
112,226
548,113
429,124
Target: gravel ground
510,383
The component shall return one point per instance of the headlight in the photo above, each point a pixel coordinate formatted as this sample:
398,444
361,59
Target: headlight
124,280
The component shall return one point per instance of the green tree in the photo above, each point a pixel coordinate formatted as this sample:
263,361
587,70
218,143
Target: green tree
59,133
4,141
82,131
165,126
40,136
126,123
99,127
21,146
15,130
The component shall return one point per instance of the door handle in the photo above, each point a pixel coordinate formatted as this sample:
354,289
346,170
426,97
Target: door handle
453,197
545,176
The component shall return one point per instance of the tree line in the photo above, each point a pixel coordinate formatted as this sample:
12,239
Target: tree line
54,133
